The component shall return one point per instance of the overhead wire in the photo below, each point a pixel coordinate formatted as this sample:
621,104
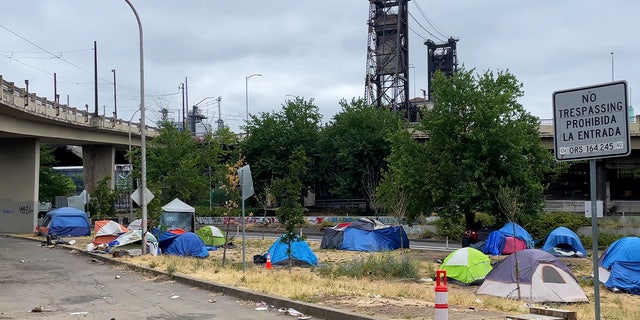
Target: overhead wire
58,57
423,28
433,25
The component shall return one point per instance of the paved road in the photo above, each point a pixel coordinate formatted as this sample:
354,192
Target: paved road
70,285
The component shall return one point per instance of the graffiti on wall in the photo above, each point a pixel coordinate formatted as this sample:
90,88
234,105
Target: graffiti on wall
311,220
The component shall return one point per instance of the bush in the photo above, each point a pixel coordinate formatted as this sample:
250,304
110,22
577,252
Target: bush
605,239
448,228
546,222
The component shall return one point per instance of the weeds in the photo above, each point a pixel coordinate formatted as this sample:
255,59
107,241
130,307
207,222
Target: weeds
375,266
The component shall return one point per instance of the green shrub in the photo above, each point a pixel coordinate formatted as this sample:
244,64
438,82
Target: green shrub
605,239
485,219
448,228
376,266
546,222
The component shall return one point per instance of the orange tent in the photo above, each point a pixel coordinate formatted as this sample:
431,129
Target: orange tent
107,230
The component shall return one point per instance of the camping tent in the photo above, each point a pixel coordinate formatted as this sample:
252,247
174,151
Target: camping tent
106,231
543,278
365,235
301,253
182,244
66,222
135,225
211,236
466,265
520,233
177,214
505,241
619,266
564,242
130,239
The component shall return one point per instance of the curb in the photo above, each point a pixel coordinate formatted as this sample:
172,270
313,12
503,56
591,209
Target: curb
311,309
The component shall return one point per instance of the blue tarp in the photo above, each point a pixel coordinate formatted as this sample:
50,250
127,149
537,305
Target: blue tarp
383,239
625,275
520,233
301,253
69,222
622,259
563,237
186,244
494,244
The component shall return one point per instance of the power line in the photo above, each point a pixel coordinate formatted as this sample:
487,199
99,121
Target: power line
423,28
433,25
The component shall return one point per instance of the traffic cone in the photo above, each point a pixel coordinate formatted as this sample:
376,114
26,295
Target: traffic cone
268,264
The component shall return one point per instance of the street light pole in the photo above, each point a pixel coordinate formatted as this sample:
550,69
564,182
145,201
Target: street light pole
131,216
246,95
143,133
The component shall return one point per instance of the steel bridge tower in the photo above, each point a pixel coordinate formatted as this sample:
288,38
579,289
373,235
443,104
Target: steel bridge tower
387,74
441,57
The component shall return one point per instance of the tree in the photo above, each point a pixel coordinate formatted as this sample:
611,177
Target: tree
183,166
287,194
272,138
231,186
52,184
103,200
481,140
353,150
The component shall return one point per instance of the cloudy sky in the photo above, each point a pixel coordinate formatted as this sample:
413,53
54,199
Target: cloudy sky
310,49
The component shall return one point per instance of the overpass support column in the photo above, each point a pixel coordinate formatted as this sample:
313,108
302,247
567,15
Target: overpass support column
19,186
98,161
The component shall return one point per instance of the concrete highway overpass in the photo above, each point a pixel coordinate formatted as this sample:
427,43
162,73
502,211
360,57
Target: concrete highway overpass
26,121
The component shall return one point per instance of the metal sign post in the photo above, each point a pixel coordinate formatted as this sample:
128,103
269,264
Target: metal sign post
592,123
246,183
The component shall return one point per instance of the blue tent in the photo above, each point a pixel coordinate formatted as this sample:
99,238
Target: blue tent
384,239
564,242
494,243
620,265
68,222
301,253
185,244
520,233
365,235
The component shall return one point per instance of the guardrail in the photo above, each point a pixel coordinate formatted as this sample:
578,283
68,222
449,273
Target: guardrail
22,100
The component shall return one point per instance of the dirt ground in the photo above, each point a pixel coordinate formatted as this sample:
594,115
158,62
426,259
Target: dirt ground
463,302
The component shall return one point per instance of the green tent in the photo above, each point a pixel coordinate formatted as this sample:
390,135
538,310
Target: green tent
467,266
211,236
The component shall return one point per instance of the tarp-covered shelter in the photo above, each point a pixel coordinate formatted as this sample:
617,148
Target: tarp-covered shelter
542,278
211,236
506,241
178,215
105,231
66,222
301,253
563,242
365,235
130,239
467,266
619,266
182,244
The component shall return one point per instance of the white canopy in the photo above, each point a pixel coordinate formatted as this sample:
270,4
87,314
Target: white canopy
176,205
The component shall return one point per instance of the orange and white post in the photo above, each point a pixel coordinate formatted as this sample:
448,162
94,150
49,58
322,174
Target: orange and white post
442,299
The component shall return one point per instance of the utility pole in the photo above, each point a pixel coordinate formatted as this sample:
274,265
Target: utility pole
115,101
184,123
95,75
220,124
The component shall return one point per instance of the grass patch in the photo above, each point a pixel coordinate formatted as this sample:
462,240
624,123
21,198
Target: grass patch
375,266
